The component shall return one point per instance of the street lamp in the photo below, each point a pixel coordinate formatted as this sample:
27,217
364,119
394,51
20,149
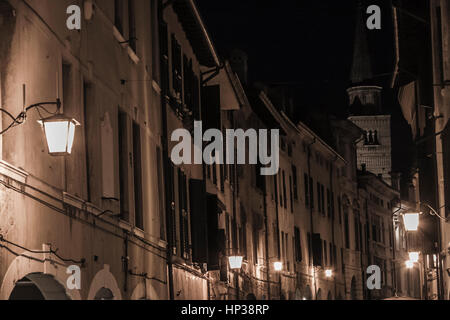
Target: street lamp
414,256
411,221
235,262
278,266
59,130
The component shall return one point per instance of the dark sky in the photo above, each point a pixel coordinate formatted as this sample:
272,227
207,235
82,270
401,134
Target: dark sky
308,42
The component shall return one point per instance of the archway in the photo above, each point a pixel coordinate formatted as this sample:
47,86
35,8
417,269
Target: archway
104,285
104,294
298,294
251,296
144,291
23,267
308,293
38,286
319,295
353,293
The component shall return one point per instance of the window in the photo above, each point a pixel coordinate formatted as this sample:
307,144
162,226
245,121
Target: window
290,194
183,214
347,228
376,229
137,174
286,251
123,165
132,24
159,167
311,192
322,198
306,186
328,202
255,246
331,254
319,198
294,182
118,14
260,179
298,245
281,192
332,205
357,234
176,69
164,52
309,248
155,44
339,210
284,190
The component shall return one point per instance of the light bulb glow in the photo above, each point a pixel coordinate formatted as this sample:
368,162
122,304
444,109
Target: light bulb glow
59,133
328,273
414,256
409,264
278,266
235,262
411,221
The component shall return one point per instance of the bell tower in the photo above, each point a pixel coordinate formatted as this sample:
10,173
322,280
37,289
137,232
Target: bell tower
374,148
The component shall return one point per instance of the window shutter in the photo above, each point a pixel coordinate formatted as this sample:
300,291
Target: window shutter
215,238
317,250
199,231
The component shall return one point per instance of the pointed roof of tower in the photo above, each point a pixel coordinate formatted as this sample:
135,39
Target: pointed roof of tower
361,67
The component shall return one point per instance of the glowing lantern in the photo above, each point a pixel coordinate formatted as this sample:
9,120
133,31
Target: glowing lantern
235,262
411,221
59,132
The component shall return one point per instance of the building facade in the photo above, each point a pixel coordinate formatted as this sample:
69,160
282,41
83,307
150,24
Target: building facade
136,222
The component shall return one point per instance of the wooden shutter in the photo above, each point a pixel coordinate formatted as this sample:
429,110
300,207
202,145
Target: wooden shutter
317,250
199,230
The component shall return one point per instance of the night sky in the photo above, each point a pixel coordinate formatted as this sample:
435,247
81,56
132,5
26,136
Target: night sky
309,43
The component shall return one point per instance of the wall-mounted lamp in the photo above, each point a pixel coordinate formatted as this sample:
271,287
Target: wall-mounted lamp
235,262
411,221
414,256
278,266
59,130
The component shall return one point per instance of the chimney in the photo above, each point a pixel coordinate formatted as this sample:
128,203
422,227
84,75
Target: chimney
239,63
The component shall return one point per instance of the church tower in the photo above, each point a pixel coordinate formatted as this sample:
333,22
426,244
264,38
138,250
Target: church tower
374,148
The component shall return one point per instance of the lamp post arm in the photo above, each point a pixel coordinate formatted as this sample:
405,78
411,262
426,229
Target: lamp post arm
434,212
20,119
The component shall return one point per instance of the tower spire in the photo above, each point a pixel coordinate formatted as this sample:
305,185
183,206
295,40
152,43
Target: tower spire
361,66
